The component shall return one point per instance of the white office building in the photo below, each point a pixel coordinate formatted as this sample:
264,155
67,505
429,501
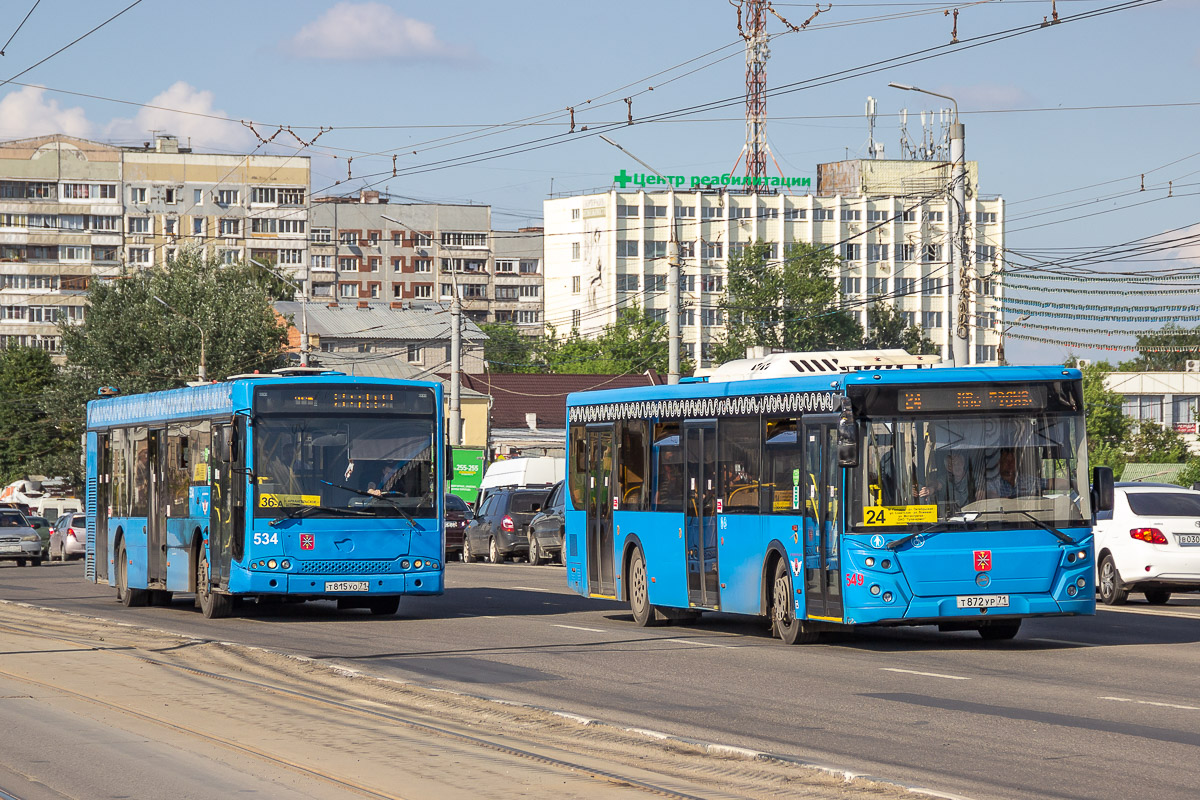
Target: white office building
889,221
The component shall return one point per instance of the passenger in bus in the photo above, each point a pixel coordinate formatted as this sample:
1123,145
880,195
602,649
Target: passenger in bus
1007,482
957,485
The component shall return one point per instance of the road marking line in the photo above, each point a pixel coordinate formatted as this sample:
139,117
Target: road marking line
702,644
1151,703
1180,614
532,589
578,628
926,674
1064,641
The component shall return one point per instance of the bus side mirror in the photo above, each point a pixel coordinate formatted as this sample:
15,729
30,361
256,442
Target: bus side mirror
232,444
1102,489
847,440
449,462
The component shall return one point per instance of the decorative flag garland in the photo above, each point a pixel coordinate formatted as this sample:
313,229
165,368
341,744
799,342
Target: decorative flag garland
1038,276
1117,347
1020,301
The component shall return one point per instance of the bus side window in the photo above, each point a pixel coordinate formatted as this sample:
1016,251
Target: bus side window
783,490
667,461
577,477
739,474
631,465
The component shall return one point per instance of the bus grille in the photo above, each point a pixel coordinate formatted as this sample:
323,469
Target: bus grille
343,567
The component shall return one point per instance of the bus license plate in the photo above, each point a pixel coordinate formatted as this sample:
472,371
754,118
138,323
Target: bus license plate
982,601
1189,539
354,586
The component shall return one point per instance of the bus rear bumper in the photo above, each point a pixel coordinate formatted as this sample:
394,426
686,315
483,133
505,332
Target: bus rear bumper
935,610
267,583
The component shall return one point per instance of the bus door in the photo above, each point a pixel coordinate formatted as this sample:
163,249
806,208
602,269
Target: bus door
822,486
599,504
156,511
221,503
103,501
700,513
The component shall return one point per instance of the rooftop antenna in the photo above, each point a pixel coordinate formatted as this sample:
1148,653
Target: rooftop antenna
874,149
906,149
757,53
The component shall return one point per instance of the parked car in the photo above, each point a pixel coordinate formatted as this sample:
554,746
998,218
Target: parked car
546,528
43,527
18,540
69,537
458,514
501,526
1148,543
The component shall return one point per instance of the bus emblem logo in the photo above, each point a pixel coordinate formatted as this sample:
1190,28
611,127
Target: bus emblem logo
877,541
797,566
983,560
307,541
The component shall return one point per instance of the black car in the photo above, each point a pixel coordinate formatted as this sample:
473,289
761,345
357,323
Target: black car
458,514
546,528
501,525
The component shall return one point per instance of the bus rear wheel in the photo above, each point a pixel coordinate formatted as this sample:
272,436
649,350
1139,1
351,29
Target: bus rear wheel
784,623
644,614
212,605
126,596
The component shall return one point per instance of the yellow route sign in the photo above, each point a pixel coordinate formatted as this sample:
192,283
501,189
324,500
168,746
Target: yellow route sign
899,515
281,500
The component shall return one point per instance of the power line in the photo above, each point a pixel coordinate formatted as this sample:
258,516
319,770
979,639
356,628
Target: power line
18,30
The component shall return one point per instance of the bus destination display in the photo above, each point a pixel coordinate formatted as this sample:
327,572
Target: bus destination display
980,398
403,400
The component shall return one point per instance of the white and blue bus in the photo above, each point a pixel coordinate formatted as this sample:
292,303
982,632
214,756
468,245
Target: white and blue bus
830,490
312,486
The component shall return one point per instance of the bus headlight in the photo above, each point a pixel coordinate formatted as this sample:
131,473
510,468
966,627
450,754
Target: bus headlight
404,564
1082,582
1072,591
417,564
869,561
887,597
272,564
286,564
875,589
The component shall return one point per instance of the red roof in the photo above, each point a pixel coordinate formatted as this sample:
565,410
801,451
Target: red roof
515,395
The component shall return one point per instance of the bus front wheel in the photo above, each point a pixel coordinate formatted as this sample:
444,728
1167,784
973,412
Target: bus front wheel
784,623
212,604
1000,629
126,596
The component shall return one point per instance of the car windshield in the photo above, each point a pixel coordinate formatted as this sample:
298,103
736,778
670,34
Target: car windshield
12,519
1164,504
379,465
456,503
1004,468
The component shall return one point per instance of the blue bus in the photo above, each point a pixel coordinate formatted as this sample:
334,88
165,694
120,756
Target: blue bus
309,486
825,491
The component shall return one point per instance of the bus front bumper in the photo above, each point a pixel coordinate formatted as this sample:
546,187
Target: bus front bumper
333,585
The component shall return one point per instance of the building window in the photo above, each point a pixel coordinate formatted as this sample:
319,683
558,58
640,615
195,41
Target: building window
935,216
169,225
528,317
322,235
712,316
474,291
263,194
656,283
574,213
575,315
877,216
739,212
655,211
851,286
712,212
656,249
104,253
931,286
227,197
985,352
575,284
291,197
910,215
374,263
795,213
627,248
877,252
291,257
768,213
139,224
422,240
74,253
906,252
530,292
349,290
346,264
905,286
348,238
688,212
852,251
528,266
657,315
851,215
931,320
139,255
108,191
909,318
506,267
985,252
461,239
984,286
506,292
322,262
397,264
985,216
626,212
932,252
423,290
713,250
229,256
574,254
415,354
229,227
822,214
447,290
627,283
423,265
711,283
137,194
877,286
373,238
687,249
291,226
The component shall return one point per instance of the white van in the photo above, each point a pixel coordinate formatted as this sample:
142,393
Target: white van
54,507
519,472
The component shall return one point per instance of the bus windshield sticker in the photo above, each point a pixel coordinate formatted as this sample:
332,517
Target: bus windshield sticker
266,500
899,515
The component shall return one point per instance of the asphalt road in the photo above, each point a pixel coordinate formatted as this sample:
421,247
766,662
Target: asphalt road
1072,708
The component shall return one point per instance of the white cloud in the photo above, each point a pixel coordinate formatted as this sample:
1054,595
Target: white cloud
207,134
370,31
28,112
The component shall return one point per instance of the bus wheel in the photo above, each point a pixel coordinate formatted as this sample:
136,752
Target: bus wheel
126,596
1000,630
783,619
212,605
644,614
384,606
1112,588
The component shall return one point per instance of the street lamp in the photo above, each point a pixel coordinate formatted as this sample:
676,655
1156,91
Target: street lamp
673,334
959,346
203,341
1003,330
455,348
304,344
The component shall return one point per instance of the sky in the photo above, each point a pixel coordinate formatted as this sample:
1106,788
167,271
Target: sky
467,102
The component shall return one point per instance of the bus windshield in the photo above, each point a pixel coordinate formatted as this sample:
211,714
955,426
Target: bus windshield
381,466
981,472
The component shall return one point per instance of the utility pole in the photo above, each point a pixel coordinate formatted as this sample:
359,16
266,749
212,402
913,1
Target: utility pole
303,290
673,334
455,416
202,372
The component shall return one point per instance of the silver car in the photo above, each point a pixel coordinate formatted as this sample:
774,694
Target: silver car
18,540
69,537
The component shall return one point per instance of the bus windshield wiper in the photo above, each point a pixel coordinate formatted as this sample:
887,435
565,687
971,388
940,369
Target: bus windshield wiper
1046,526
389,496
941,526
304,511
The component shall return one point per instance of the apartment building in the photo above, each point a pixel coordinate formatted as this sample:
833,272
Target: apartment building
365,247
889,221
60,225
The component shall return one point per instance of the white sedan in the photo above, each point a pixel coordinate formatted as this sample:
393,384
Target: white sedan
1148,543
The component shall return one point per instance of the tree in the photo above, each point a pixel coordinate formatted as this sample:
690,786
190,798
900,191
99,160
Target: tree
1107,427
31,441
791,304
1170,336
507,349
634,343
886,330
1156,444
